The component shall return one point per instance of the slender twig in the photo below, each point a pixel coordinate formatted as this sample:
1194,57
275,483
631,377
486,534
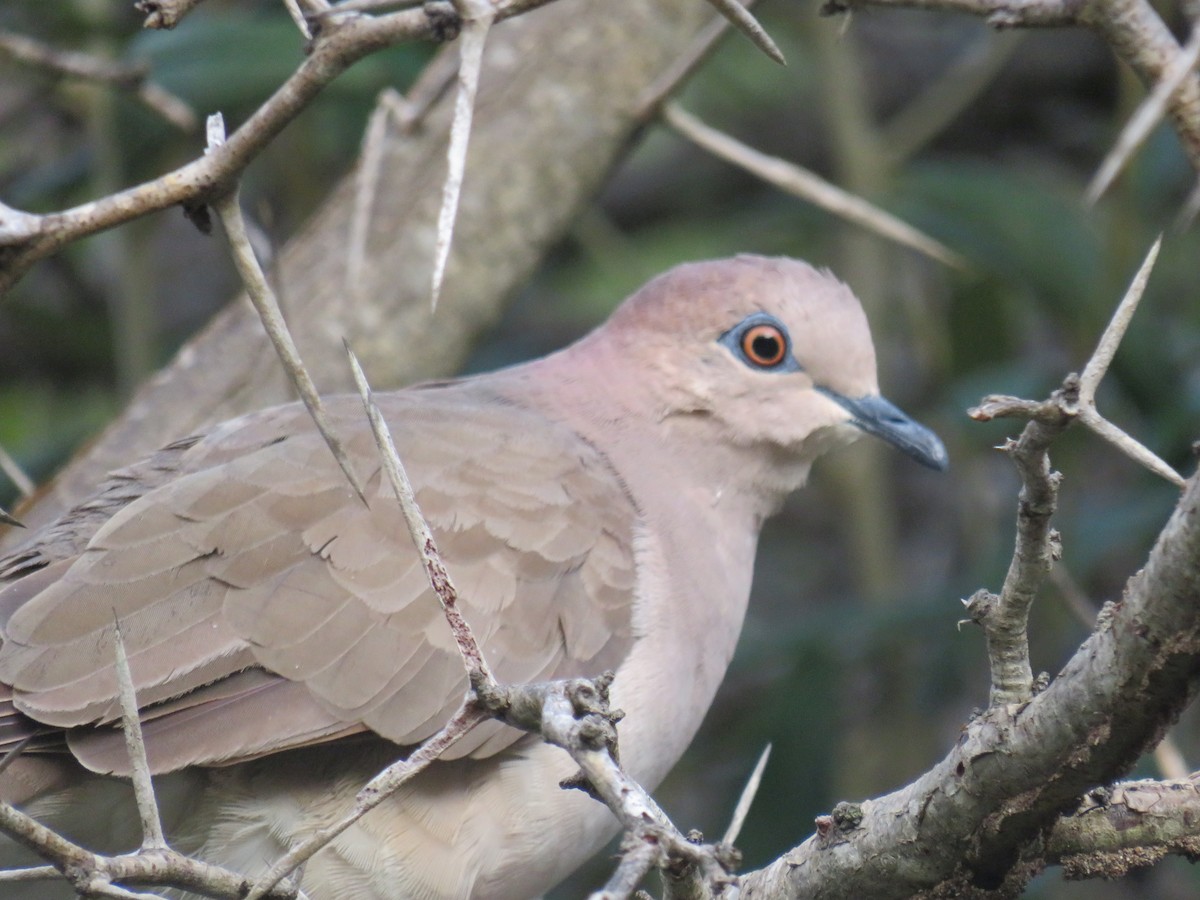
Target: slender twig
1005,617
73,64
30,873
89,871
1079,401
143,790
229,209
742,809
938,105
27,238
365,5
293,9
477,17
741,18
366,186
418,528
637,858
1098,365
1148,114
377,790
682,67
808,186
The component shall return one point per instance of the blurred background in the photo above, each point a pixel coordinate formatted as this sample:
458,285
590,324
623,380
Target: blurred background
851,665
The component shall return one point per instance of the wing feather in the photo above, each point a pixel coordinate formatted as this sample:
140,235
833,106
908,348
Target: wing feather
264,607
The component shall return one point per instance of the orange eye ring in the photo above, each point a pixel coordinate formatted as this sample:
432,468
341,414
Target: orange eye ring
764,345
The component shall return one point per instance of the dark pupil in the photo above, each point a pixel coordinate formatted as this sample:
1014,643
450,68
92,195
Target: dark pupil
765,347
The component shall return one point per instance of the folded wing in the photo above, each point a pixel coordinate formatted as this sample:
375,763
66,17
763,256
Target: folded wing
264,607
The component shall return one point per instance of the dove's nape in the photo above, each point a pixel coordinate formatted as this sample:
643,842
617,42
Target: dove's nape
598,508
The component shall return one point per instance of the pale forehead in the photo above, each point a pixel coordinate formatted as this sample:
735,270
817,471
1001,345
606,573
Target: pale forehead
715,294
704,299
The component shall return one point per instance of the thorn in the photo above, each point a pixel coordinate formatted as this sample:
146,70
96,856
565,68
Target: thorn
474,37
742,19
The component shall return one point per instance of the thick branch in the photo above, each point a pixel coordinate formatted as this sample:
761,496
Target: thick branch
1126,827
1016,769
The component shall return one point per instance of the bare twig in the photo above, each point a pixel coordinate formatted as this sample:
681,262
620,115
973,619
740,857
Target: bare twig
1148,114
930,112
1094,371
375,792
135,746
366,185
230,212
637,858
1005,618
477,17
26,238
73,64
808,186
1079,399
88,871
293,8
364,5
1110,340
652,99
746,798
31,873
999,13
431,559
740,17
574,714
1137,33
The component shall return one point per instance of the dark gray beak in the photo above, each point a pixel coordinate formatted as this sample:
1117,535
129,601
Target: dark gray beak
877,416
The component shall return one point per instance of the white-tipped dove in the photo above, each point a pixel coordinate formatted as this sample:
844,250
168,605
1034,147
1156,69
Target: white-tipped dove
598,508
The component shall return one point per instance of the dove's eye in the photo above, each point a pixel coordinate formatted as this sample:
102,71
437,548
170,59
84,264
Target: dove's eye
764,345
761,342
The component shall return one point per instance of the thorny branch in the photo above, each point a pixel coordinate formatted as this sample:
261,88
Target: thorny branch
26,238
1005,618
229,210
476,17
154,863
802,183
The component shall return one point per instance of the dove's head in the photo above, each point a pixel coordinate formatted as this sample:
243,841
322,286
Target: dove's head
773,352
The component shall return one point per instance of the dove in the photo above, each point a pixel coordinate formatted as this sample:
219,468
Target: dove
598,509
